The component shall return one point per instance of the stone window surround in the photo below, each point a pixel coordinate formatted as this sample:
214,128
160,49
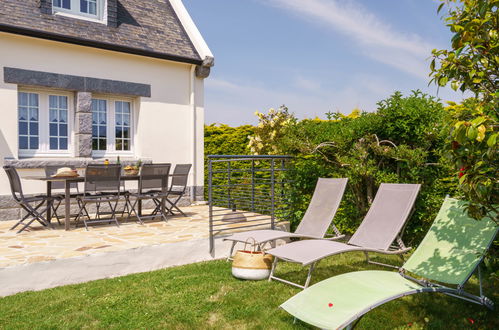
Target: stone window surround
83,88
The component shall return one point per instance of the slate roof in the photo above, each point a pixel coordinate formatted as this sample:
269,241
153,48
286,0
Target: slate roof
147,27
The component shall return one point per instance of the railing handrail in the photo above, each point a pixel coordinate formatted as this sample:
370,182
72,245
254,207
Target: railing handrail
250,156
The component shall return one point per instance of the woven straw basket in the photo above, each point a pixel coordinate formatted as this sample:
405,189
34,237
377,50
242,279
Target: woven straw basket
251,265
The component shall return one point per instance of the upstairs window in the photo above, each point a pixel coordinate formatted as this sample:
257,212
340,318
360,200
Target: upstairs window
66,4
88,7
92,9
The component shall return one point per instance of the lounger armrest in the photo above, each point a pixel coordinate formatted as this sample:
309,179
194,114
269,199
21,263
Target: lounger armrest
334,238
398,251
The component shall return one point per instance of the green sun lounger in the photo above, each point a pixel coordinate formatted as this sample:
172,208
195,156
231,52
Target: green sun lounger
450,253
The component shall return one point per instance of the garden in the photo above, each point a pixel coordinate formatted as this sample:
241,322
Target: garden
449,148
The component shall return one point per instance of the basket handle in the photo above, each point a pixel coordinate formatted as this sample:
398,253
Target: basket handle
254,243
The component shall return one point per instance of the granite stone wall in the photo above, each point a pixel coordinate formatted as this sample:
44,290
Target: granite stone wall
83,121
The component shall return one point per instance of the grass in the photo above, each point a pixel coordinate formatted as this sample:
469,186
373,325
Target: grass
205,295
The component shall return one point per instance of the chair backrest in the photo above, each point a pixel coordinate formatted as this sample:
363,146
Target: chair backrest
15,182
102,178
52,169
180,177
454,245
387,216
154,177
322,207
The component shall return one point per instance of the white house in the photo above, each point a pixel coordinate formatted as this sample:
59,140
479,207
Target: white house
86,80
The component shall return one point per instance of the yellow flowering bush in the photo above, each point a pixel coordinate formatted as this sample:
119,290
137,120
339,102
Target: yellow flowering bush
270,130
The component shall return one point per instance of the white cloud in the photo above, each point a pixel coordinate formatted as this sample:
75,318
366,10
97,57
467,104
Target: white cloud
375,38
307,84
234,103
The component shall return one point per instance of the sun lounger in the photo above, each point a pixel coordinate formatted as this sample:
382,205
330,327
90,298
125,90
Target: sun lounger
315,223
380,231
450,253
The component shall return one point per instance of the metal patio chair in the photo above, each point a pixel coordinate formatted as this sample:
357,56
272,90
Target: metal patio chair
51,170
449,254
381,232
177,188
153,185
102,186
31,205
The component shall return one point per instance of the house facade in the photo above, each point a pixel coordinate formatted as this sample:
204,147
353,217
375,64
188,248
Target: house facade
87,80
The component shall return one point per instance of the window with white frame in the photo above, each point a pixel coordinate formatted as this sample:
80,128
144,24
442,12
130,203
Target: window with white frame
44,124
111,126
58,122
122,125
85,8
99,124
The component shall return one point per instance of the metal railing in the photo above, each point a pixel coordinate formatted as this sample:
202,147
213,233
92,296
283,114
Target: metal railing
246,192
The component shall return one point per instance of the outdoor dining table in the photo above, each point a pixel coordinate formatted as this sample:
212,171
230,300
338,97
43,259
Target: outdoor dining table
67,192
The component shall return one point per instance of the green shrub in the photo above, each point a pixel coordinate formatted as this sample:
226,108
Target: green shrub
224,140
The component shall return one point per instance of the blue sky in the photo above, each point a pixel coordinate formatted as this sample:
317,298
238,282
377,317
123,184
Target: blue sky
315,56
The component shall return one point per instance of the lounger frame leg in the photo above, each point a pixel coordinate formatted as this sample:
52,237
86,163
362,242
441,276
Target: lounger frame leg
369,261
274,265
354,323
229,256
309,275
307,281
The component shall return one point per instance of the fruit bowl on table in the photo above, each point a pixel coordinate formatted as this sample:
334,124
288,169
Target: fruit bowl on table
129,170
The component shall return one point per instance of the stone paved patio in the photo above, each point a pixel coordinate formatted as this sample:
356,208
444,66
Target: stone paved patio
41,245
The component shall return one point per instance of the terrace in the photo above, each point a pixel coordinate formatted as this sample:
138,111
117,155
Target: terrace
63,257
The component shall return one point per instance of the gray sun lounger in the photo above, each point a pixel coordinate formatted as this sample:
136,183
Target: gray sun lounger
380,231
315,223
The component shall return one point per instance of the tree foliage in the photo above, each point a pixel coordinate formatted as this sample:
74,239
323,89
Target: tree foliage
472,65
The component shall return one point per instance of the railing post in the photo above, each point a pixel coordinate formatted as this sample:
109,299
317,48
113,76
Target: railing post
229,185
252,185
281,202
272,194
210,205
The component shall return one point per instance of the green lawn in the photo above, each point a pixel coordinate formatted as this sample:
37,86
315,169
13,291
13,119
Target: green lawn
205,295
